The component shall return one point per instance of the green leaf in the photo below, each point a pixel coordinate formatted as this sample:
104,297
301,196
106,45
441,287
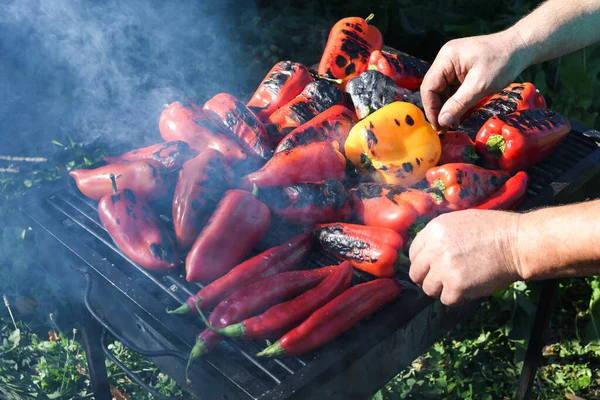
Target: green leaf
56,142
27,183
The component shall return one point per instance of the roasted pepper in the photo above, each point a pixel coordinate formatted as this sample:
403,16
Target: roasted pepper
310,163
394,145
476,107
136,230
147,178
309,203
241,121
170,154
315,98
349,46
510,195
515,97
201,185
333,124
407,71
457,147
284,81
237,225
375,250
391,206
465,185
521,139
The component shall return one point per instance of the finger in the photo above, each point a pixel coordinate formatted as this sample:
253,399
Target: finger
464,98
435,83
452,298
432,286
417,244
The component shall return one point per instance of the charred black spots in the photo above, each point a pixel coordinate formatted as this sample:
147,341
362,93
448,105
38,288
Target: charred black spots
409,120
396,122
129,195
340,61
407,167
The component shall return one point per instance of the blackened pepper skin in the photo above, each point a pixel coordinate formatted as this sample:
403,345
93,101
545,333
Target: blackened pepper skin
170,154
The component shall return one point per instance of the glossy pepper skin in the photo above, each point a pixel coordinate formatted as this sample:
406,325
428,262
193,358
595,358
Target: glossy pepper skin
519,140
201,185
375,250
349,46
372,90
171,155
237,225
394,145
284,81
135,229
315,98
275,260
457,147
510,196
188,122
313,162
515,97
335,318
393,207
147,178
465,185
242,122
405,70
285,316
333,124
309,203
476,107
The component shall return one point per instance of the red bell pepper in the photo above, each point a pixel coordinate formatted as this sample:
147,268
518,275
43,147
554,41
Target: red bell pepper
510,195
406,71
170,154
476,107
457,147
522,139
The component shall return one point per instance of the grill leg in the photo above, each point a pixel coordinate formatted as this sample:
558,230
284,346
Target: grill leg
91,332
537,338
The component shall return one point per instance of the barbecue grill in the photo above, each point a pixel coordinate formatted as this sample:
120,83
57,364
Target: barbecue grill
118,296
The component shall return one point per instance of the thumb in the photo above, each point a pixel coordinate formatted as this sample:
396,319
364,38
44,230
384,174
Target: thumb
464,98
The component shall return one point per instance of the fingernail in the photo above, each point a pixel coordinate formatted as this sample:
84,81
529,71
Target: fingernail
445,119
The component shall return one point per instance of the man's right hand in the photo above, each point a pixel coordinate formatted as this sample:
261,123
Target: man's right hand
467,70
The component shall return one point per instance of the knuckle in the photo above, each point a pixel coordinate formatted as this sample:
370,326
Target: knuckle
450,297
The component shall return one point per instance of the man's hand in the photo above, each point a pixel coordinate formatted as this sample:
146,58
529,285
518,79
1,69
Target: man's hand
465,255
477,66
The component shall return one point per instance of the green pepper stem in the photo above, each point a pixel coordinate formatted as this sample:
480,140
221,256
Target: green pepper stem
495,145
198,350
470,155
369,18
204,319
439,184
182,309
372,67
324,78
273,350
113,180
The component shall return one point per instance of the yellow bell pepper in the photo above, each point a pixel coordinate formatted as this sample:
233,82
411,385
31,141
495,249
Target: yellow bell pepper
394,145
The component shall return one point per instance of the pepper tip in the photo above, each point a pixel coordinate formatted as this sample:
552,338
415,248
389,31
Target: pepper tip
273,350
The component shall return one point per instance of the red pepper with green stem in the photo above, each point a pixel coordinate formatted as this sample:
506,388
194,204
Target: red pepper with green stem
275,260
171,155
517,141
335,318
510,196
457,147
406,71
237,225
135,229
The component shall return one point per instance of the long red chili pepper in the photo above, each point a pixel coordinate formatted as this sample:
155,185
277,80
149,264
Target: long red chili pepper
241,121
406,71
201,185
284,316
136,230
313,162
332,124
237,225
457,147
146,178
335,318
282,83
275,260
509,196
171,155
522,139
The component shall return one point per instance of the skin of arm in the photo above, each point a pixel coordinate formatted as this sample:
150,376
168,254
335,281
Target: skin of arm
471,68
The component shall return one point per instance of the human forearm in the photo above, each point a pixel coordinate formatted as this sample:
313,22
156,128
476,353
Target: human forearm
556,28
559,242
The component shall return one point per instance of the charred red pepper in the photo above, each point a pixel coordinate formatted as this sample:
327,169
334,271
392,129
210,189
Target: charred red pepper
349,46
237,225
332,124
522,139
201,185
476,107
284,81
407,71
241,121
170,154
309,203
375,250
515,97
510,195
284,316
315,98
335,318
188,122
275,260
457,147
135,229
465,185
146,178
392,206
313,162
